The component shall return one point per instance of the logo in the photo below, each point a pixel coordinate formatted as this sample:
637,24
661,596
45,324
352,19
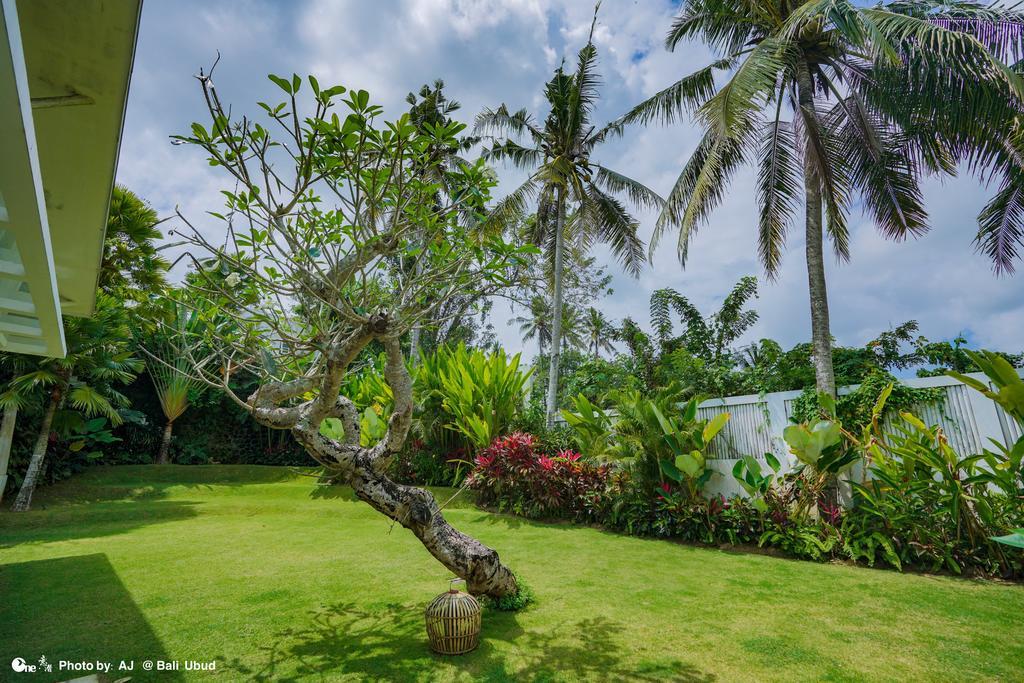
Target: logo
21,666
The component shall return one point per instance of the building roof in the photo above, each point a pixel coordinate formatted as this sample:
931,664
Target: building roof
64,74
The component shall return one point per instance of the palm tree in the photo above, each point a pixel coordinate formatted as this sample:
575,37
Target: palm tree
875,97
99,356
132,265
169,364
599,332
538,324
558,155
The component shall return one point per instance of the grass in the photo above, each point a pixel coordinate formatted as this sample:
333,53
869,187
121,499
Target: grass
276,579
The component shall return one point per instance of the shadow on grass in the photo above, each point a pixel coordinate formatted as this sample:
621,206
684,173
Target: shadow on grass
447,497
106,501
76,609
96,520
389,643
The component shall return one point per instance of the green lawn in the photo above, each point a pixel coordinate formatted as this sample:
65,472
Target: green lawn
277,579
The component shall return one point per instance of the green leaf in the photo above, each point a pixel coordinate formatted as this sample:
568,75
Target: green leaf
1015,539
670,470
281,83
714,426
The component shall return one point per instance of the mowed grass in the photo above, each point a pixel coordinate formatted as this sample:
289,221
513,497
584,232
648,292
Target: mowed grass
275,578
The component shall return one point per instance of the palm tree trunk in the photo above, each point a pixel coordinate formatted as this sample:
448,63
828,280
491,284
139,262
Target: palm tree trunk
556,323
164,458
6,440
35,465
414,345
821,335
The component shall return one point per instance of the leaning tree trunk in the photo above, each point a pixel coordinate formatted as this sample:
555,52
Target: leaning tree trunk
364,469
556,323
6,441
164,457
35,465
821,335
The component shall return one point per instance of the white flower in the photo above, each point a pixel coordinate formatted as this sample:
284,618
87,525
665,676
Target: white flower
233,279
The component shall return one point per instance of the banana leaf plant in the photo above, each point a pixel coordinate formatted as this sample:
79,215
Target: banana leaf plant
756,481
688,439
1006,389
1015,539
823,454
591,426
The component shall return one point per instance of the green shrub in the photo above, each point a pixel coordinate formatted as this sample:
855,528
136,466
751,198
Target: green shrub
515,602
467,398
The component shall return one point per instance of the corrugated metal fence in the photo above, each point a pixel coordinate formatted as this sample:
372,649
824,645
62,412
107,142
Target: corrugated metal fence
968,418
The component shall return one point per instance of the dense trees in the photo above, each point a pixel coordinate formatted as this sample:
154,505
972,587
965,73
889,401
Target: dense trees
101,354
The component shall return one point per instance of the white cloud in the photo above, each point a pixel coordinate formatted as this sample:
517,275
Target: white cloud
504,50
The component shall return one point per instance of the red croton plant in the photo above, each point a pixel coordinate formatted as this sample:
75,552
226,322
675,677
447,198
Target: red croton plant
513,474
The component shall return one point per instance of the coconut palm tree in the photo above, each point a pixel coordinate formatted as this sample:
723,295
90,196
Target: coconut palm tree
99,357
537,325
599,332
558,154
834,102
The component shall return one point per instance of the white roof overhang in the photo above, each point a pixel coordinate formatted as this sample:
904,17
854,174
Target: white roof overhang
64,74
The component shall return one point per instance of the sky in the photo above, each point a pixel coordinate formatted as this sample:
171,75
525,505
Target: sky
493,51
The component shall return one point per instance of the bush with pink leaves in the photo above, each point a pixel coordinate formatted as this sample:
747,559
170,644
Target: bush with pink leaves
512,475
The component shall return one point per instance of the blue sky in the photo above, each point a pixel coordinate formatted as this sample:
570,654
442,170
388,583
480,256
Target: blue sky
491,51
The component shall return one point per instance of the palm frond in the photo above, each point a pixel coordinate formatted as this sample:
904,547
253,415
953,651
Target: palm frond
501,120
726,25
881,169
1001,224
513,208
778,190
608,220
684,96
638,193
698,190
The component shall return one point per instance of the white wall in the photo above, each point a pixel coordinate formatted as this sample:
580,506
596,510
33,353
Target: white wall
968,418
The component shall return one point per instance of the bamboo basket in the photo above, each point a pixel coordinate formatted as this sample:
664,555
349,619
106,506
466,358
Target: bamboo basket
453,622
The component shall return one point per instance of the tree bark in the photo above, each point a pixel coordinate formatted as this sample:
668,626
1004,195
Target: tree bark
556,323
415,332
6,440
164,457
35,465
364,469
821,335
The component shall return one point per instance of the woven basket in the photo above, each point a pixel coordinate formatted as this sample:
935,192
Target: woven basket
453,623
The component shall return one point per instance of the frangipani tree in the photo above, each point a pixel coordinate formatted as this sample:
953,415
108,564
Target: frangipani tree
324,209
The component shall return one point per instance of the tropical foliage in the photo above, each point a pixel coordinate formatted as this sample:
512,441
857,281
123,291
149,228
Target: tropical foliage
84,383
